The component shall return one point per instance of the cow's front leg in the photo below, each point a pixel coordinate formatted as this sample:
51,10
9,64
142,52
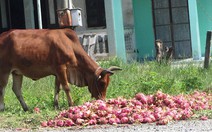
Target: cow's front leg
62,76
17,84
2,89
67,91
3,83
56,93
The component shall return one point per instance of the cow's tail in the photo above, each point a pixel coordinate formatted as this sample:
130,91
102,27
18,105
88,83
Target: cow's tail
4,37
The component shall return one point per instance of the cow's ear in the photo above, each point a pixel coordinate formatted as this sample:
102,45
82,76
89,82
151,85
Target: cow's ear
105,72
109,71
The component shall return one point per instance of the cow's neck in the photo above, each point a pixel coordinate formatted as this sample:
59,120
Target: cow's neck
87,63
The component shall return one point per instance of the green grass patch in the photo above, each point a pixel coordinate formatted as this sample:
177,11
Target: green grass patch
147,77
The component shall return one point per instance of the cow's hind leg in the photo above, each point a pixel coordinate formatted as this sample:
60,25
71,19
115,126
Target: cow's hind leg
17,84
3,83
56,93
62,76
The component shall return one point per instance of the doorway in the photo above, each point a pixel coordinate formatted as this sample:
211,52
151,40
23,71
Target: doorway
172,25
16,14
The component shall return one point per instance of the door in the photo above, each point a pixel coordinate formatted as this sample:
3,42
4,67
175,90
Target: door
12,15
16,14
172,26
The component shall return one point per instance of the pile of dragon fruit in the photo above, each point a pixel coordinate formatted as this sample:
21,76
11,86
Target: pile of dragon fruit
160,108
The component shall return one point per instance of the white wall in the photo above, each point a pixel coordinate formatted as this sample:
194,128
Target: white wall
81,4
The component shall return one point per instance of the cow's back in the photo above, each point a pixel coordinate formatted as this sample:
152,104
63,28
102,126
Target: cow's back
35,53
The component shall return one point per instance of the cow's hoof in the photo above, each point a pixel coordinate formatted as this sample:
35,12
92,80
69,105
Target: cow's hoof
25,109
56,107
70,104
1,107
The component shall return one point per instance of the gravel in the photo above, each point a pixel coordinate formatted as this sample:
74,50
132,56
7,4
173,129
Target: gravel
178,126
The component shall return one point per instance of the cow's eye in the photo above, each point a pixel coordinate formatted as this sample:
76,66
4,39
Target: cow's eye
101,84
99,77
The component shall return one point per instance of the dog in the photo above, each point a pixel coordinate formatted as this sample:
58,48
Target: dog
163,53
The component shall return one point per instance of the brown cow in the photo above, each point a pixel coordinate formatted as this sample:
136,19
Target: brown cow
40,53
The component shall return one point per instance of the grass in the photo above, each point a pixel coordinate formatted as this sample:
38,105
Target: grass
147,77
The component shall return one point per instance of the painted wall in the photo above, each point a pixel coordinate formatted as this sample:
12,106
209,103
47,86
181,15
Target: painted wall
115,28
144,31
194,27
205,21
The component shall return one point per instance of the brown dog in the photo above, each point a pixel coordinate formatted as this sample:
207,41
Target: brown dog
159,50
169,54
162,53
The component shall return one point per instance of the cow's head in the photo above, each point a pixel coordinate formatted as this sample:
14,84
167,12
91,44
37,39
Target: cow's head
101,81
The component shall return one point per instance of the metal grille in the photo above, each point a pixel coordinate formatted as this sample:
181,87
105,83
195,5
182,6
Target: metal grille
100,47
129,37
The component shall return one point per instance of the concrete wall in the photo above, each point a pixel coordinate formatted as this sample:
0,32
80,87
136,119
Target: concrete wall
127,10
115,28
29,14
205,21
81,4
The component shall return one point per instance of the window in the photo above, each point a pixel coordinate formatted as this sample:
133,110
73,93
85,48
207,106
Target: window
48,13
3,15
95,13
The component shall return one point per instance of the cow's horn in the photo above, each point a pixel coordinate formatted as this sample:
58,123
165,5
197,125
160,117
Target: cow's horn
114,68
